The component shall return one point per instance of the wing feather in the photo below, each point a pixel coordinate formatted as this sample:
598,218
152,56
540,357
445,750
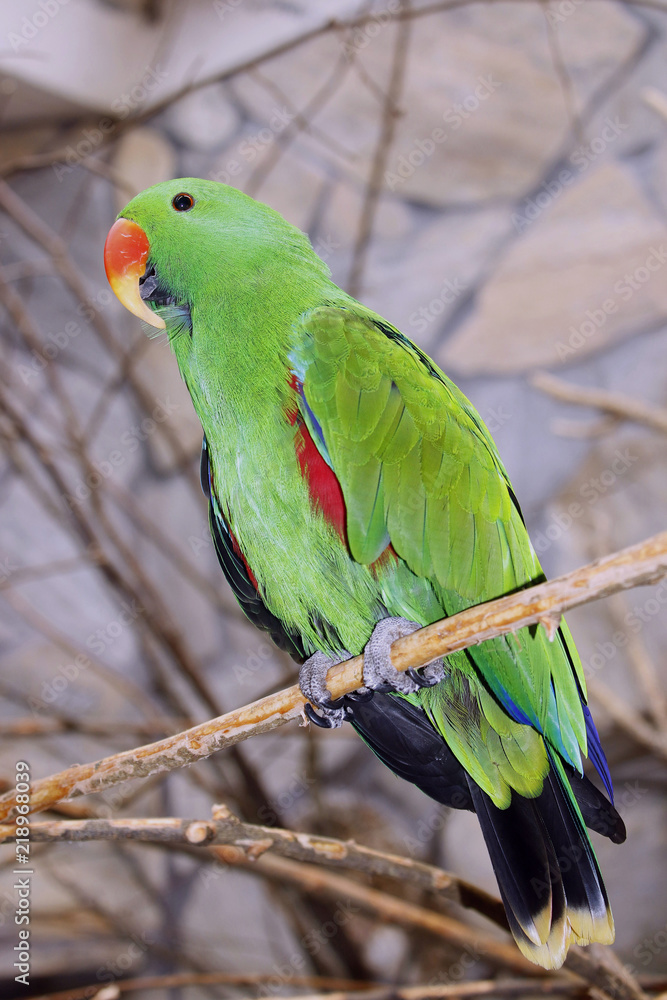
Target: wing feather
420,472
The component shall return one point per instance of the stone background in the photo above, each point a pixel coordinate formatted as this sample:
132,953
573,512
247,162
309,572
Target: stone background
488,176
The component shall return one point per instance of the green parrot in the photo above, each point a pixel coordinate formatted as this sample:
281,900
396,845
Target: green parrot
355,495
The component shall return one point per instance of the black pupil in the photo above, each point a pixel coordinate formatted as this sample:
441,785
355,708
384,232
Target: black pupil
182,202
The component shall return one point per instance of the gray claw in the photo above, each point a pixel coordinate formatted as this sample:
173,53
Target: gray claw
324,721
428,676
312,681
379,671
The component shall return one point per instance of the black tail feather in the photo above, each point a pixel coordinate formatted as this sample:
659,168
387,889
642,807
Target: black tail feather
401,735
598,812
523,859
547,873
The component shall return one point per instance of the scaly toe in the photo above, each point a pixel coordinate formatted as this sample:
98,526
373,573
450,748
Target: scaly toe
313,684
379,672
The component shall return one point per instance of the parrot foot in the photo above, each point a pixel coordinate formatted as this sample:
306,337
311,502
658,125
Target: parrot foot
313,684
380,673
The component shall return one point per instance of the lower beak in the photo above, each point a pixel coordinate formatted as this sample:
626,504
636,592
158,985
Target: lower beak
125,254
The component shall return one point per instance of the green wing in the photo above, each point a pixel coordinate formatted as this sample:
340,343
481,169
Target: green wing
419,470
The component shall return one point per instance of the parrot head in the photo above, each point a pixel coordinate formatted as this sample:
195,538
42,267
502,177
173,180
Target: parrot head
184,245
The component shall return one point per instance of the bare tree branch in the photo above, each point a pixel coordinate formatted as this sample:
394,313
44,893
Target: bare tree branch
286,856
347,989
627,718
639,564
595,964
94,991
390,115
616,403
317,881
253,841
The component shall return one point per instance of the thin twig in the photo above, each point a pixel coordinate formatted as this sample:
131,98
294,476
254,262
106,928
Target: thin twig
584,429
280,854
82,657
317,881
34,726
597,965
642,663
36,161
390,115
627,719
253,841
563,76
37,229
616,403
342,989
179,979
656,100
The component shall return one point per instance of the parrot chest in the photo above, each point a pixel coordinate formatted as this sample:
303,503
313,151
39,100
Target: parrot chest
294,552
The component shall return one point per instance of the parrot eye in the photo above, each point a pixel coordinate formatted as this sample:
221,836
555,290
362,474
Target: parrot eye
183,202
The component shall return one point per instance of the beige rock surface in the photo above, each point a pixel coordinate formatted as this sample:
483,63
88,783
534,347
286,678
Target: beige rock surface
586,273
142,157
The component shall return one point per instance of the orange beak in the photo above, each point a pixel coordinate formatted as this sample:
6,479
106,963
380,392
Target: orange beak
125,254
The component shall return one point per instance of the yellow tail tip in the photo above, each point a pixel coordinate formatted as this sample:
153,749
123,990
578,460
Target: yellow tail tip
578,926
